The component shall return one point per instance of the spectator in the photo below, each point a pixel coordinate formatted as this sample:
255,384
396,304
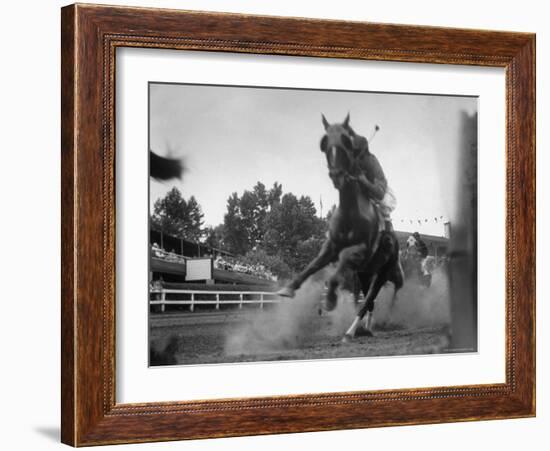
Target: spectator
157,251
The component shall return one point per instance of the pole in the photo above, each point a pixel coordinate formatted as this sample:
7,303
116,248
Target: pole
376,128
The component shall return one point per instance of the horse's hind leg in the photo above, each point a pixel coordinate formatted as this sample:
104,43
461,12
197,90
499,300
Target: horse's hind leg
325,256
376,283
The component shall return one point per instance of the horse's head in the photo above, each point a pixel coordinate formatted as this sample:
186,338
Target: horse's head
338,147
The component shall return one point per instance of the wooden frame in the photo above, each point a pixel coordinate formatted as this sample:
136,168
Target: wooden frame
90,36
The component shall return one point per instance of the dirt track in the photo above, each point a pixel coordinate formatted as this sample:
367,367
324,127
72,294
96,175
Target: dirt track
198,338
293,329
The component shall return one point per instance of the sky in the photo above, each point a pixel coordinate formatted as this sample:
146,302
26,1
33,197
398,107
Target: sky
232,137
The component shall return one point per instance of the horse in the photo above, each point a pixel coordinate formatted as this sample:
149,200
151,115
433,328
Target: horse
356,238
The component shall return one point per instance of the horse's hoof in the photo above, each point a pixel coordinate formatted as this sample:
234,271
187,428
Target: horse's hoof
329,303
287,292
362,332
329,306
347,338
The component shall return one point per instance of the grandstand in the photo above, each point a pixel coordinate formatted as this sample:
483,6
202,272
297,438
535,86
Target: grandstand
190,262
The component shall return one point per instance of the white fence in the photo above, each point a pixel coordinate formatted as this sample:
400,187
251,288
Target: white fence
244,297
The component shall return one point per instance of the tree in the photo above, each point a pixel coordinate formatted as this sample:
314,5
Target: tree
283,231
273,263
235,236
245,220
289,222
214,236
175,216
252,216
275,193
306,251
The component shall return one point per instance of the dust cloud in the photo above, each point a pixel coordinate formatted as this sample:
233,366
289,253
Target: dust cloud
416,306
284,326
296,323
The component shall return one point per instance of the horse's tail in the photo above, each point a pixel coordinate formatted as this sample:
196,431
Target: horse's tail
396,275
399,276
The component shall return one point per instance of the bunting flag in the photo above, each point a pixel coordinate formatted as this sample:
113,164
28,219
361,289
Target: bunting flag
421,221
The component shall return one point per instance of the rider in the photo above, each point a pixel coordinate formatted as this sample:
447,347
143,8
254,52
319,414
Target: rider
422,251
373,180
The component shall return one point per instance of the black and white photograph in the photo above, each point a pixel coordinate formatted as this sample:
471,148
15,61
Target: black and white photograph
299,224
241,225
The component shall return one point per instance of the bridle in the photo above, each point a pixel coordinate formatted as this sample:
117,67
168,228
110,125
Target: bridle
345,143
352,157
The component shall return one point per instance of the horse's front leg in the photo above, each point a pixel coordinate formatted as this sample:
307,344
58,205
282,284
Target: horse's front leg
326,255
350,258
